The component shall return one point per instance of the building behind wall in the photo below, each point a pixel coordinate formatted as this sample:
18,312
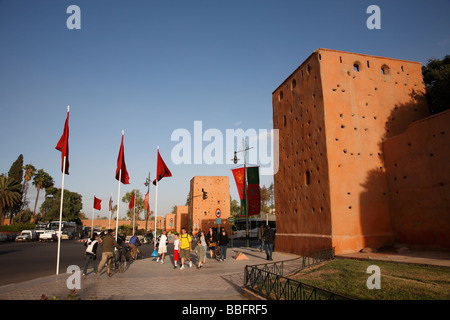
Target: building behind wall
202,212
181,218
333,113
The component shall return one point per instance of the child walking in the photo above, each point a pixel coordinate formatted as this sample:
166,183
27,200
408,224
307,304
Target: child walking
200,251
176,248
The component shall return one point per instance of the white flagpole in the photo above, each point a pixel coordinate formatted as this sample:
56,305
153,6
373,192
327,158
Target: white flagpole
60,214
92,223
110,212
156,196
134,211
60,211
118,198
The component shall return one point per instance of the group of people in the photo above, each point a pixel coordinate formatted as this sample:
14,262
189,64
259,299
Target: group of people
183,247
108,245
214,242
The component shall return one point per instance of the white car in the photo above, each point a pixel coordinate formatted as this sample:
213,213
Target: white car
48,235
26,235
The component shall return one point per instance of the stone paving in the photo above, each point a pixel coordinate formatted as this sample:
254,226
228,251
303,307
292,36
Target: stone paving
147,279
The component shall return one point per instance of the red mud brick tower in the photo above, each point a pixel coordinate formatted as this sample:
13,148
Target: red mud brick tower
333,113
181,218
202,213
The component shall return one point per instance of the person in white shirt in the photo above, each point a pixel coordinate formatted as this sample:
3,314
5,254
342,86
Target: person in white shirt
162,246
91,253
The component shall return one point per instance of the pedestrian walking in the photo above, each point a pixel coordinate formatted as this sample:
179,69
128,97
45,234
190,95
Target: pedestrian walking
185,248
200,251
260,237
203,243
108,244
211,240
269,239
223,244
91,253
176,248
162,246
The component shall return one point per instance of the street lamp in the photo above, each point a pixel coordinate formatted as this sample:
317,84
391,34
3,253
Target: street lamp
235,160
147,184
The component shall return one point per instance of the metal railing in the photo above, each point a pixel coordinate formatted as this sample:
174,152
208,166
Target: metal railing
268,280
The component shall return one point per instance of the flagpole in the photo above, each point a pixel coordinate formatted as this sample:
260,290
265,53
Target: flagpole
60,209
60,217
110,211
156,199
118,196
92,223
134,211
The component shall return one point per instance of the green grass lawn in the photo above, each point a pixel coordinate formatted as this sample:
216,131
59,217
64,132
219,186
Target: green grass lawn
399,281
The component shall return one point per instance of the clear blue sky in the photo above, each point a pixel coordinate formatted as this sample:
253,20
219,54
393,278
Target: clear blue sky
151,67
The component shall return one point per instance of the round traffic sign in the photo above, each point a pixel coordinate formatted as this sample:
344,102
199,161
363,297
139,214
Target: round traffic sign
218,213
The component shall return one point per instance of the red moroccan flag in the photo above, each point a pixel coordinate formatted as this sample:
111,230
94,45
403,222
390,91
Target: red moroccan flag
253,190
110,203
161,170
147,205
97,203
63,145
125,178
131,204
239,178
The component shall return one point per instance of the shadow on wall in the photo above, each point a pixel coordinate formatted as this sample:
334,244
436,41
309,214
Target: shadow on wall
375,215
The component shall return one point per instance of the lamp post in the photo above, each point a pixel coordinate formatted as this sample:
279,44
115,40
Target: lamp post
147,184
235,160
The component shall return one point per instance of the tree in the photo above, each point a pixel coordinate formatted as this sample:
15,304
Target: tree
29,174
42,180
72,205
265,198
139,203
436,76
16,173
235,209
272,195
9,194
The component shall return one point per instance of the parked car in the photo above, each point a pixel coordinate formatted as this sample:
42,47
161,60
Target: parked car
26,235
11,236
48,235
65,236
3,237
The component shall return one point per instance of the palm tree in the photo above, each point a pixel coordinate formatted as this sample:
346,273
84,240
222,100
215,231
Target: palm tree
29,173
9,194
41,180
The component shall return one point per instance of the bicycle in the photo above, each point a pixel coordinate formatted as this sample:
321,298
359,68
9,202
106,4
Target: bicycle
116,262
139,254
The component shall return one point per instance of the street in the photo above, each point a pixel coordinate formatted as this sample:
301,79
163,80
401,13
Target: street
24,261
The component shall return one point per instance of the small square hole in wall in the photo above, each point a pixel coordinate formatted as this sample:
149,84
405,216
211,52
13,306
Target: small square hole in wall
307,178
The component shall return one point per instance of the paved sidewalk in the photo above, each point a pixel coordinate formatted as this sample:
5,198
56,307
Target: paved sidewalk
146,279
